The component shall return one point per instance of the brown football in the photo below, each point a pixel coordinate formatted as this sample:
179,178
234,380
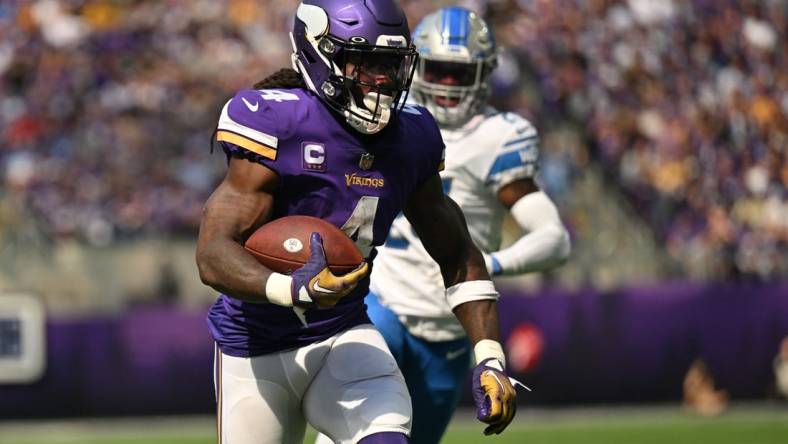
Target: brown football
283,244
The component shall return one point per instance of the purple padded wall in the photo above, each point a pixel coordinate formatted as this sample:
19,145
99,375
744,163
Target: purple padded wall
631,345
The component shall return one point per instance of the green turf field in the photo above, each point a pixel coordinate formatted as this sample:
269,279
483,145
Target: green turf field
640,425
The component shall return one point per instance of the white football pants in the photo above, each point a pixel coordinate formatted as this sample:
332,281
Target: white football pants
347,387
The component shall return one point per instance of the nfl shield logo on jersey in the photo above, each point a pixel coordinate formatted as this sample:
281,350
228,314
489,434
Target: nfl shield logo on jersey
366,160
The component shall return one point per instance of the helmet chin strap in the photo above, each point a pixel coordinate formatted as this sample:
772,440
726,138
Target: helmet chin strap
370,102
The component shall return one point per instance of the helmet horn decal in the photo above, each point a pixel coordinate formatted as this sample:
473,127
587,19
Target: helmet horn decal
315,19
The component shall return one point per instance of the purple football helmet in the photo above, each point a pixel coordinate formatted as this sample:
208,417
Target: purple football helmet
356,55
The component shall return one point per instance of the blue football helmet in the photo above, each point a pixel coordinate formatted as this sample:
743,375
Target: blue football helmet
356,55
457,54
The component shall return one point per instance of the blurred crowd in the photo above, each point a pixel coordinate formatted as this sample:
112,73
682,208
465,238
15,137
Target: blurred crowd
107,109
684,103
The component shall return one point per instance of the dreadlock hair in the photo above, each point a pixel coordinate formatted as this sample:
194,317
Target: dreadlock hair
284,78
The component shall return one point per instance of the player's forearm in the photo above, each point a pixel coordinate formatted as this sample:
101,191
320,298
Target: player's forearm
225,266
479,319
238,206
464,265
545,246
441,227
539,250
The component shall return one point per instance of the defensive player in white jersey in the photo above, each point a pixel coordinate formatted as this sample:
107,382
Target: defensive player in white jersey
491,163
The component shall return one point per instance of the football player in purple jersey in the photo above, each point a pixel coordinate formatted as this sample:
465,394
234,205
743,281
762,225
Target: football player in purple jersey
331,138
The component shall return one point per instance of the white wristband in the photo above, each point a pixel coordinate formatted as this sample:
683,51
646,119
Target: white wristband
486,349
470,291
277,289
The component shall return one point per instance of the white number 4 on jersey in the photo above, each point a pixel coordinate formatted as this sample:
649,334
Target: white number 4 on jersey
361,223
276,95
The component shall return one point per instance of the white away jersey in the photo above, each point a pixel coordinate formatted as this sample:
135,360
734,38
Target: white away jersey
492,150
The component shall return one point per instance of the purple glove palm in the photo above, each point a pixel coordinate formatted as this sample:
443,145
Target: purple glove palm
494,395
314,286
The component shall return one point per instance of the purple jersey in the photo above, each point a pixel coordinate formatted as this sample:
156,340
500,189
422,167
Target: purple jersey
358,183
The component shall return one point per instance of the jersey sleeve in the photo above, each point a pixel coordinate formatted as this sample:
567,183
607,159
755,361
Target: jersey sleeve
516,156
248,128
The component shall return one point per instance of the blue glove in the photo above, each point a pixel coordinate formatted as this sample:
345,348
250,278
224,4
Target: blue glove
494,395
314,286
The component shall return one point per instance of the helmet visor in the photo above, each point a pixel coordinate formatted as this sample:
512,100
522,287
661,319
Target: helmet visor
367,81
389,69
449,73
